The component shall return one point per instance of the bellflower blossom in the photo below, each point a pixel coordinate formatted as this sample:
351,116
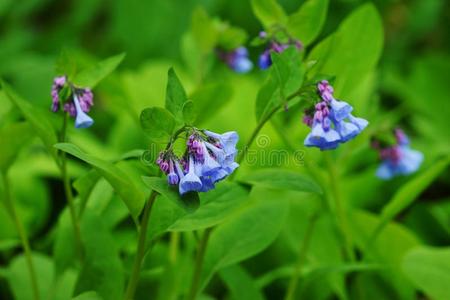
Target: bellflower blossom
78,103
265,60
237,59
331,121
398,159
209,158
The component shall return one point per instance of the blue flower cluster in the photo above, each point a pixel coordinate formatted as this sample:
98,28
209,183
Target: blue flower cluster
78,105
398,159
331,121
209,158
237,59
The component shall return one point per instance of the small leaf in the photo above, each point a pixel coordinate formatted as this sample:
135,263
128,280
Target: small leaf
282,179
189,112
90,77
14,135
204,30
122,184
269,12
306,23
157,123
429,269
36,118
188,202
220,93
175,95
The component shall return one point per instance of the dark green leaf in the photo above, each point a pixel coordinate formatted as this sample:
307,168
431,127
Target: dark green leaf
157,123
175,95
307,22
188,202
122,184
429,269
269,12
189,112
282,179
92,76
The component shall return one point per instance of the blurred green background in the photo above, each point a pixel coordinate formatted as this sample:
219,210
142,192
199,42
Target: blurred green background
409,88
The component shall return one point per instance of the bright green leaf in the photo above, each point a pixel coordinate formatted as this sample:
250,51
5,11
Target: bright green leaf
269,12
203,30
175,95
122,184
157,123
92,76
307,22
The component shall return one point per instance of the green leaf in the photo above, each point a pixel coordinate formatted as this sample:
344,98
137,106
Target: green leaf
90,77
240,283
36,118
122,184
269,12
84,186
352,51
214,207
244,234
189,201
410,191
232,37
203,30
282,179
429,269
307,22
189,112
157,123
175,95
16,135
285,78
102,270
220,93
88,296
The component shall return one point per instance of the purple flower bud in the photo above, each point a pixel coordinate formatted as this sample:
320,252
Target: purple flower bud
262,34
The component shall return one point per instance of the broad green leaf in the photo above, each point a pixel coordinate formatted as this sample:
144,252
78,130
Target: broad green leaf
175,95
88,296
410,191
122,184
84,186
352,51
15,136
188,202
240,284
102,270
36,118
429,269
244,234
285,78
203,30
90,77
214,207
157,123
282,179
269,12
217,93
189,112
307,22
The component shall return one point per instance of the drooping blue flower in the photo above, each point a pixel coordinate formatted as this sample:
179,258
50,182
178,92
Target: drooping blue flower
398,159
190,181
331,121
82,120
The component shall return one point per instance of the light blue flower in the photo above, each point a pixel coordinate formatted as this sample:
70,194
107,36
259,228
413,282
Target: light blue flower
347,130
340,109
82,120
190,181
321,138
359,122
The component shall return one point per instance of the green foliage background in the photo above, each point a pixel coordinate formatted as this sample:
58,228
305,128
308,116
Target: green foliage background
390,60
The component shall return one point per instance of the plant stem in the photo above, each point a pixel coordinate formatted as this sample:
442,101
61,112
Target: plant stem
340,211
140,252
68,192
23,236
301,257
198,264
173,246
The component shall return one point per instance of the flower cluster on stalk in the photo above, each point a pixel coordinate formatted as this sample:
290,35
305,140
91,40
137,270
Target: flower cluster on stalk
331,120
275,45
398,158
77,103
208,158
237,59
